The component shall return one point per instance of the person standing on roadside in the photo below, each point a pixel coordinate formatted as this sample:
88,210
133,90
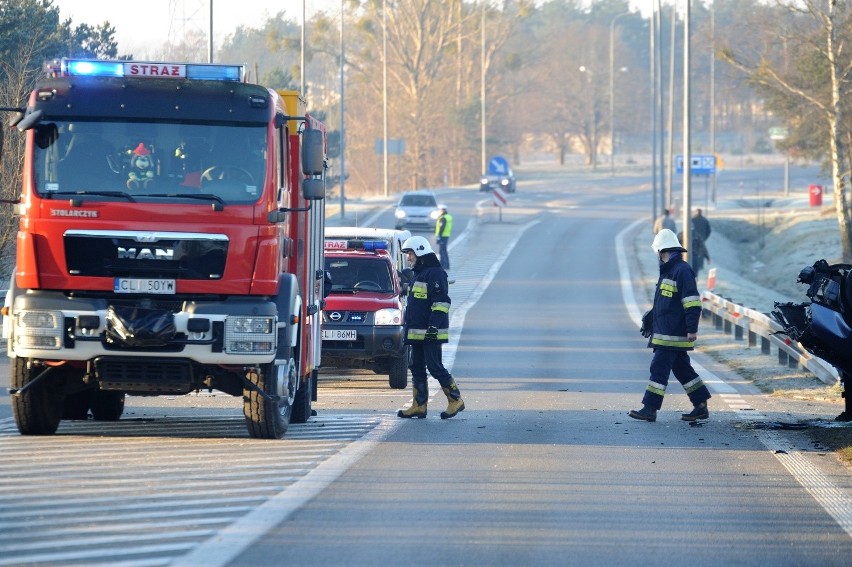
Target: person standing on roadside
427,327
673,330
443,230
665,221
700,233
700,225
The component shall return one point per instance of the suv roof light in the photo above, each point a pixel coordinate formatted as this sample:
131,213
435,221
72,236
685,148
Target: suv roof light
146,69
368,245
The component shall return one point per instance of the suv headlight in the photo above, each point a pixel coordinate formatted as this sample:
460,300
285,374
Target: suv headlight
504,181
250,335
434,215
400,214
385,317
484,181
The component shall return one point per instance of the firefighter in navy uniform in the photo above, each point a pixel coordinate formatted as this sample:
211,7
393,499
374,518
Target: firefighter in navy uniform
675,315
427,323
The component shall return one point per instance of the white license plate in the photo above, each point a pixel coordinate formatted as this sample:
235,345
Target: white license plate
339,334
144,285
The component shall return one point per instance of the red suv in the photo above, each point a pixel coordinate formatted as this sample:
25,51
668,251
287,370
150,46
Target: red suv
362,321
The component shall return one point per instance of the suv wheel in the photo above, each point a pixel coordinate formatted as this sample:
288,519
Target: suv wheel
398,373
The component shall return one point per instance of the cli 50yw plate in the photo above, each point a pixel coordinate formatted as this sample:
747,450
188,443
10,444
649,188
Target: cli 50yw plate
144,285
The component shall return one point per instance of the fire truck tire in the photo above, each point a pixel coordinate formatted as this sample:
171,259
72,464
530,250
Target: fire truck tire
267,419
107,405
37,411
302,402
398,375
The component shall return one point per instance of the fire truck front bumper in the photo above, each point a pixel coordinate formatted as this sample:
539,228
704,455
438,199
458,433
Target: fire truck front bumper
54,326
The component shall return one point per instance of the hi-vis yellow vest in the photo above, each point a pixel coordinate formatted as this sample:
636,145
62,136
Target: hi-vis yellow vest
447,229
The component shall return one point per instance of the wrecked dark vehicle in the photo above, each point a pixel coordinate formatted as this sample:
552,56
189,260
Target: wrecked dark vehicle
824,325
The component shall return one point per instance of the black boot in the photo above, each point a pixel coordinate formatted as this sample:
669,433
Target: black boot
647,413
698,412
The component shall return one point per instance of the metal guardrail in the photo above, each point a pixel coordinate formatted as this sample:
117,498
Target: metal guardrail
746,323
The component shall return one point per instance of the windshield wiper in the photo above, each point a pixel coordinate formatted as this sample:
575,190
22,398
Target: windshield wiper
51,194
200,196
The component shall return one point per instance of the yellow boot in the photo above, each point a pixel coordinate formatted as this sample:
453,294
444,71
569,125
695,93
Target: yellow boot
414,412
454,405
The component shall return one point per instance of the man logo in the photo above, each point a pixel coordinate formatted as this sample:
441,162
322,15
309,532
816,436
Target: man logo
145,254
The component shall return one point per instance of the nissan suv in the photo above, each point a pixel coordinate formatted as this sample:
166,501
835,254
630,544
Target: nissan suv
362,322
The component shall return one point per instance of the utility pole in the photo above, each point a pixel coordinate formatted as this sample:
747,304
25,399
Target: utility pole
210,36
713,96
612,92
482,84
385,180
342,121
687,158
653,80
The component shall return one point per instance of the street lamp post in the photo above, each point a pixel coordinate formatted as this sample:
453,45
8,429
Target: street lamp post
593,143
612,91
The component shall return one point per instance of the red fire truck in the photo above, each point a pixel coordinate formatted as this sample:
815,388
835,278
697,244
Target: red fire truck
170,240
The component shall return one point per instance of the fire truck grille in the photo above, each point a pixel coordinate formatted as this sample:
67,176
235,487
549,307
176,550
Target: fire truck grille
152,376
105,255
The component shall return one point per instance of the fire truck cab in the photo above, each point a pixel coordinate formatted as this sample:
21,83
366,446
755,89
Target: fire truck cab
170,240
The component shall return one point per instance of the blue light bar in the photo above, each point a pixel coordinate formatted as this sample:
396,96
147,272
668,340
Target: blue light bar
215,72
373,245
151,70
92,68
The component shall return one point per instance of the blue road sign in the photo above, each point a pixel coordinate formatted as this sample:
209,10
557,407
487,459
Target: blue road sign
498,165
699,164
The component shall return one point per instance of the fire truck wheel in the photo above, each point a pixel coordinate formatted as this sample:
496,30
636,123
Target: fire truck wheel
302,402
107,405
38,410
398,375
268,419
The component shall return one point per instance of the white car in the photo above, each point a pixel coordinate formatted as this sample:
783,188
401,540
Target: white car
417,209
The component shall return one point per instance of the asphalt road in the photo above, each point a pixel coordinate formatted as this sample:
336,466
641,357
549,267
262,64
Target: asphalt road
543,467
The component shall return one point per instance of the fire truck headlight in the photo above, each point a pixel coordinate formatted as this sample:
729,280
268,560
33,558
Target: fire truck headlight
386,317
39,329
250,335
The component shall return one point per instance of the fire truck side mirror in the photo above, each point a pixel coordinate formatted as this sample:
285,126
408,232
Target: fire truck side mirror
29,120
313,152
313,189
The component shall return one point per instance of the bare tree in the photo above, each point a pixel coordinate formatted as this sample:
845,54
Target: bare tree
19,77
819,31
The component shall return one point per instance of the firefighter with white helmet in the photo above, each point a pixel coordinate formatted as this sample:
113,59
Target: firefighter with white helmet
427,323
674,329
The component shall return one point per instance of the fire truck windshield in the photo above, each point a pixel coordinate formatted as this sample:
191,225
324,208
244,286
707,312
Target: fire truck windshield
150,161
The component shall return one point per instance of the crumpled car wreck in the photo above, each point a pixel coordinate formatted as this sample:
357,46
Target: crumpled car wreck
823,326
